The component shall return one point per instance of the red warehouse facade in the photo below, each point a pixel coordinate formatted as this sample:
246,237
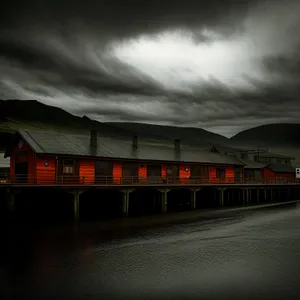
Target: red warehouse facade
59,158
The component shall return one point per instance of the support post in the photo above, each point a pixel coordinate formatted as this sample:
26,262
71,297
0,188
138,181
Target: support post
257,193
271,194
125,204
126,199
76,206
248,196
194,198
164,200
244,195
76,198
221,199
265,194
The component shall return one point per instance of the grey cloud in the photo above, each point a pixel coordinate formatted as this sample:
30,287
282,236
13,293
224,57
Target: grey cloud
55,52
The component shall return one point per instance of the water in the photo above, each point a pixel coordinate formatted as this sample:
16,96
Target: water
237,255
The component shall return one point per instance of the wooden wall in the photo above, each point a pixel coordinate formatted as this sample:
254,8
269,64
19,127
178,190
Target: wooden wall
42,169
229,175
269,175
30,157
87,171
117,173
45,170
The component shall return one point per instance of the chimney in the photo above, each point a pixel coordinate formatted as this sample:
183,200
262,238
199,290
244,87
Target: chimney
177,149
134,142
93,139
134,145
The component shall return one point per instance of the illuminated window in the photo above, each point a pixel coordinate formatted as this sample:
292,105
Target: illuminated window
68,170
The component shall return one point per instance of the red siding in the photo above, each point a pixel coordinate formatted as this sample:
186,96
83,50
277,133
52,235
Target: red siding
164,171
286,175
212,173
229,175
117,173
87,171
30,158
268,174
143,171
45,174
184,173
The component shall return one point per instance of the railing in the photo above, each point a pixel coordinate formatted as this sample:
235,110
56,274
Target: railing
51,179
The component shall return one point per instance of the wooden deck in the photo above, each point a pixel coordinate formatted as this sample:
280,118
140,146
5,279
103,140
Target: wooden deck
135,182
156,186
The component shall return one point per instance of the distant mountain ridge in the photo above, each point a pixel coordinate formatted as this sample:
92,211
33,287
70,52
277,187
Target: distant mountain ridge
31,114
188,135
274,135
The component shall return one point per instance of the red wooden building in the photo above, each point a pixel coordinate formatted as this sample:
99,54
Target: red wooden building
279,173
265,167
38,157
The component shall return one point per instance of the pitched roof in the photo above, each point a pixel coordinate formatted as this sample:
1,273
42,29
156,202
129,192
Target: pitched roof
262,153
275,155
226,149
252,164
281,168
79,145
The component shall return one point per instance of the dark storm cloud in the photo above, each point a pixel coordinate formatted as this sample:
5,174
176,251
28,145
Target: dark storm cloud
57,52
123,18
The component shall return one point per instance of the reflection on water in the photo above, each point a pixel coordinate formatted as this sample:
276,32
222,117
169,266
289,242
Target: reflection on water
240,255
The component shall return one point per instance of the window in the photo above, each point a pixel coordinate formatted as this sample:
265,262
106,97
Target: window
68,167
279,161
68,170
244,156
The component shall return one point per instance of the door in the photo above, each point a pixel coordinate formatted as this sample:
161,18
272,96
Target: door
195,173
68,171
21,172
237,175
220,174
104,172
172,173
130,173
154,173
199,174
257,176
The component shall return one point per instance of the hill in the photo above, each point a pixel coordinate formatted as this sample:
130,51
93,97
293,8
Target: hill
271,135
188,135
281,138
31,114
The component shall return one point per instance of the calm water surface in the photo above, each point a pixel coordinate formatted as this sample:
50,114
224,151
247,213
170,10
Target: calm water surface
241,255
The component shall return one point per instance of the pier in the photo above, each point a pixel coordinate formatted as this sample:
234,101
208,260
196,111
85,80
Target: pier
142,197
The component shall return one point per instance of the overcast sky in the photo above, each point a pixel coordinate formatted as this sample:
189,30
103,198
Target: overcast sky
219,65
